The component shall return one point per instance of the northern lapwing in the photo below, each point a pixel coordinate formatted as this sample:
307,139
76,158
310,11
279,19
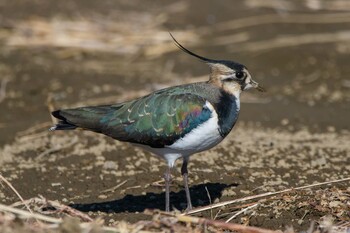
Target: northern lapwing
174,122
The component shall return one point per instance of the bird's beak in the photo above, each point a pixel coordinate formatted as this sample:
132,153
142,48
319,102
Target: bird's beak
257,86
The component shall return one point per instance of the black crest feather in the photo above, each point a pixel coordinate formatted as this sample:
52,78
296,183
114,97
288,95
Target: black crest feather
191,53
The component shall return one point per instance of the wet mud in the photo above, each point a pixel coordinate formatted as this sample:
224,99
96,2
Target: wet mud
295,134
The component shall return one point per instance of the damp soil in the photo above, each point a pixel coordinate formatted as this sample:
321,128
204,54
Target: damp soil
296,134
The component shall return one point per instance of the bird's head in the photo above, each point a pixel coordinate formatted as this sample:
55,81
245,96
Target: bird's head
231,76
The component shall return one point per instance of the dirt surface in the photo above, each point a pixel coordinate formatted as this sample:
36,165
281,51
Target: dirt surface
90,52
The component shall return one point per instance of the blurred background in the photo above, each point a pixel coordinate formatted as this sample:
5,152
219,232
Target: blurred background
58,54
80,52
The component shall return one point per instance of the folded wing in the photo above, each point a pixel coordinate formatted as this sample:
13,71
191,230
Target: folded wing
156,120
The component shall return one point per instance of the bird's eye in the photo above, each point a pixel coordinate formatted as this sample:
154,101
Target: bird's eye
240,75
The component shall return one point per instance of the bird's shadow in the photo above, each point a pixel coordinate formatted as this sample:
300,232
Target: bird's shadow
201,195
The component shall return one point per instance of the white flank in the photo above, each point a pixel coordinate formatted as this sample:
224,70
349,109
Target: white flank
168,154
204,137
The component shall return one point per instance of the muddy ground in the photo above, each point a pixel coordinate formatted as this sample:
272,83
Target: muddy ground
65,54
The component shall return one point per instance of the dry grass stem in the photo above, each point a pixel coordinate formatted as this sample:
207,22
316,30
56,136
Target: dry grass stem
29,215
15,191
54,222
236,208
59,208
220,204
242,211
115,187
161,221
158,183
209,197
214,223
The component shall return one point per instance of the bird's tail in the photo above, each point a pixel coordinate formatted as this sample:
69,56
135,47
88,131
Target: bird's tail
85,117
62,124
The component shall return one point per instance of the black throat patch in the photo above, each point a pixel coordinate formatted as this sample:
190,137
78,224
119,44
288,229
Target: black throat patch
227,110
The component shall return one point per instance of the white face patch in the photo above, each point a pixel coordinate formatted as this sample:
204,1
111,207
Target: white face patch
234,88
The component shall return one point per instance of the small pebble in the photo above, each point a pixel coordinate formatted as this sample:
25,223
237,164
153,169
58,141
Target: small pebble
55,184
102,196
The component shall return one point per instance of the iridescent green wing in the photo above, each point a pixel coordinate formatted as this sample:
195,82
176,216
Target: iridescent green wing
156,120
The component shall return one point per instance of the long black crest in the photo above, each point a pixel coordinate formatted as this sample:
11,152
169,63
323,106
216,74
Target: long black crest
189,52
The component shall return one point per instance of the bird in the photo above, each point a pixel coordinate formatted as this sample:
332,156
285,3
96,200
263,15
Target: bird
172,123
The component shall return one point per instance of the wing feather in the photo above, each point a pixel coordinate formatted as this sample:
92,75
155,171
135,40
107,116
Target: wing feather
171,118
157,120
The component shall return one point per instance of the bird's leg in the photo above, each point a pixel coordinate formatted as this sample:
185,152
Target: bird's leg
184,173
167,178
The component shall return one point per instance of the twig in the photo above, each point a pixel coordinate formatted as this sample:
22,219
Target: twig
115,187
55,204
220,204
158,183
242,211
15,191
28,215
66,209
133,187
214,223
237,208
217,214
208,194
